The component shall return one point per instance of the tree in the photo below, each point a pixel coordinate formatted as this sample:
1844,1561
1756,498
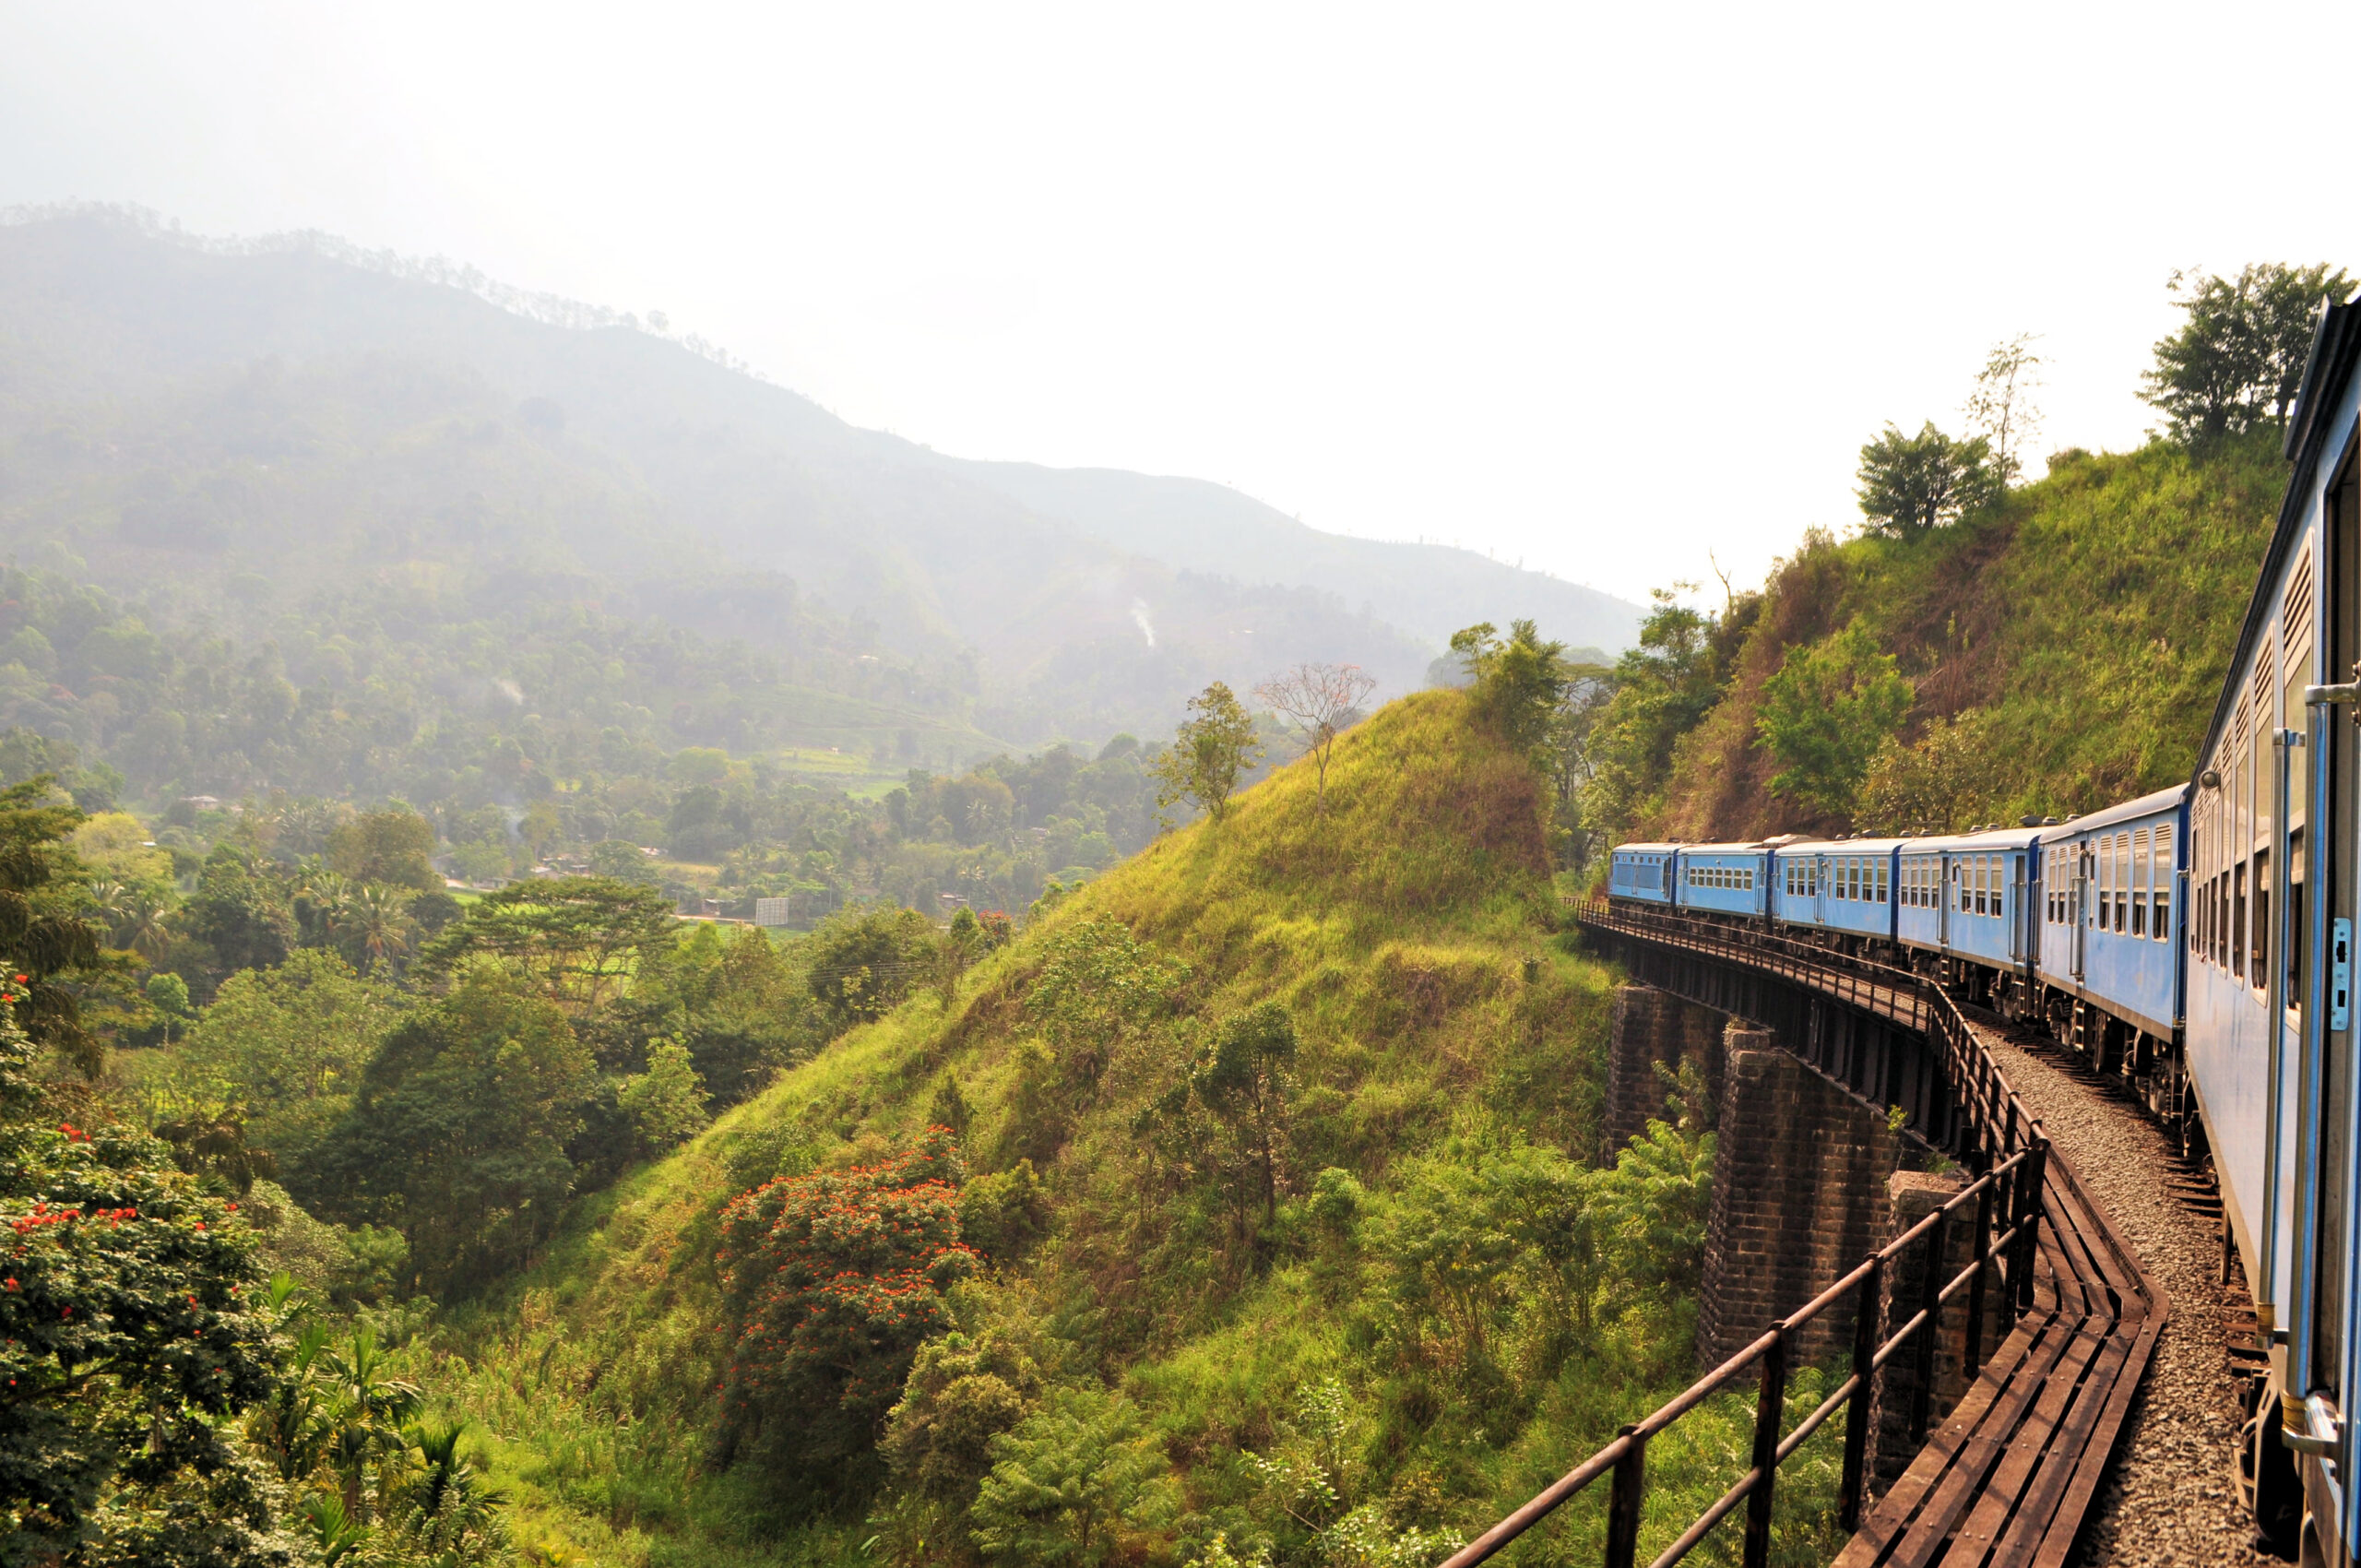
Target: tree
1662,688
577,939
666,1103
1518,681
56,951
830,1283
623,861
2001,408
1208,753
1583,703
133,1331
1955,775
1826,712
1323,700
865,961
288,1044
1913,484
2238,358
458,1133
395,846
1065,1482
1245,1081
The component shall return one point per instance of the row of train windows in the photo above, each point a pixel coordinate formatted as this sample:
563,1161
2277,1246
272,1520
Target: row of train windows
2127,878
1643,876
1855,878
1738,878
2230,930
1981,884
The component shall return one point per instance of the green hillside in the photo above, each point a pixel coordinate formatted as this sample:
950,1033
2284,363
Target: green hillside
1368,1317
2061,648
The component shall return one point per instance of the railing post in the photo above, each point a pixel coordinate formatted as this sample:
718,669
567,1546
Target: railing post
1865,1334
2029,1206
1931,1301
1770,1414
1623,1500
1973,1362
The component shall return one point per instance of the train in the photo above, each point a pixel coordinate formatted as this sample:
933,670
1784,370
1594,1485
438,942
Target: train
2195,942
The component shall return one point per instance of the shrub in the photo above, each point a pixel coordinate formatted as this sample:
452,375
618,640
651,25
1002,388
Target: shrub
832,1282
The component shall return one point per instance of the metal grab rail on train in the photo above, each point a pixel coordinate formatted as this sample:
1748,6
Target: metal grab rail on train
2013,1185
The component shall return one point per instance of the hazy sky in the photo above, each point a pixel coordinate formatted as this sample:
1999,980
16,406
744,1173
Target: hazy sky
1601,289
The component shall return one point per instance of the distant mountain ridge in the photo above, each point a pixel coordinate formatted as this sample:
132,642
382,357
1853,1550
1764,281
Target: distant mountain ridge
178,416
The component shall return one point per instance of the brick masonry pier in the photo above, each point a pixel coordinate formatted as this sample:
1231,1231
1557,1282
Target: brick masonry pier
1800,1170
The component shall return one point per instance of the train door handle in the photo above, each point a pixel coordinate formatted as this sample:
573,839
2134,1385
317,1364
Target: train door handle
2340,974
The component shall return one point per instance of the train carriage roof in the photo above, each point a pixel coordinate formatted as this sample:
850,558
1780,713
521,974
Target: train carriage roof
1992,838
2146,805
1841,846
1647,849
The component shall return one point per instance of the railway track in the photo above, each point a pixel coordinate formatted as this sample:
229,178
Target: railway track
2172,1495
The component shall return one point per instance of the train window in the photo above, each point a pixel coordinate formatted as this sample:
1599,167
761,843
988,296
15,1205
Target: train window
2126,881
2239,920
2258,943
2138,880
1983,882
2221,921
1881,870
2160,884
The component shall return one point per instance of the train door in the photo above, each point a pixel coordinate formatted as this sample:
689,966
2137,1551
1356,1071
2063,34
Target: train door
2082,905
2331,781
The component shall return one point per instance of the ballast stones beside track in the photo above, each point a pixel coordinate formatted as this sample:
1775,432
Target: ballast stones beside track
2171,1496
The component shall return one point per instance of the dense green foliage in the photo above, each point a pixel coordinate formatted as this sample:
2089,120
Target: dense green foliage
1281,1227
2238,358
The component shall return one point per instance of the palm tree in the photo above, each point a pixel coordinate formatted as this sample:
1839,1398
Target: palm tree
371,1405
144,925
378,918
456,1515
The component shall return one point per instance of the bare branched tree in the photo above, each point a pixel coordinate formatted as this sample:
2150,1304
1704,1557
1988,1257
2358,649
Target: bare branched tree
1323,700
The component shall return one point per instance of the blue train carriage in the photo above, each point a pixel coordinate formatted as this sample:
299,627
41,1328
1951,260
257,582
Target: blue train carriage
1642,872
1724,879
1840,888
2111,906
2267,1037
1981,901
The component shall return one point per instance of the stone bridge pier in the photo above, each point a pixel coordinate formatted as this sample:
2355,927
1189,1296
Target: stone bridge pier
1808,1179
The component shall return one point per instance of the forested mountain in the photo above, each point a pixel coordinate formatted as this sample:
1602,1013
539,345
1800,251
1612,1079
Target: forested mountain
285,444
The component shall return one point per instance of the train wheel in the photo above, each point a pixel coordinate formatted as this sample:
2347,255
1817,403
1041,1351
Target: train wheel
2268,1483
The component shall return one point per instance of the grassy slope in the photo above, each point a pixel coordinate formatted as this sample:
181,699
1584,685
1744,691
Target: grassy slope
2091,618
1410,933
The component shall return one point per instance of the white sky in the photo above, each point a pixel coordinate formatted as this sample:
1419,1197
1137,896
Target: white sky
1600,289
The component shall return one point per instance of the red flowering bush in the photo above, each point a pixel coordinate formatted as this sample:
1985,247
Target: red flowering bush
833,1281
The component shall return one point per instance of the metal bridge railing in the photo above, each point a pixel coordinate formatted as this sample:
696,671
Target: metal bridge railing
2005,1143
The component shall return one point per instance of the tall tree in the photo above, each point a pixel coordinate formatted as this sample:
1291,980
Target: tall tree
576,938
1212,747
1912,483
1518,678
458,1133
1661,689
1826,713
1323,699
2238,358
55,950
2001,408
